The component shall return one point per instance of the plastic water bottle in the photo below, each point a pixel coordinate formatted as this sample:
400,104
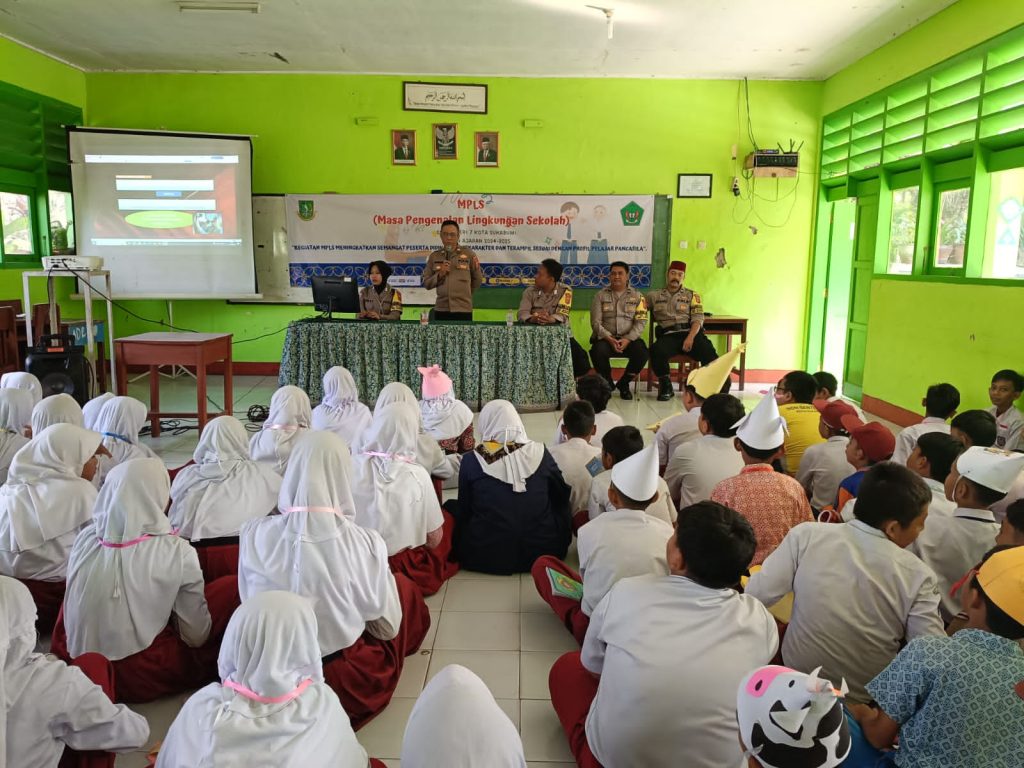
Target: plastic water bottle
510,318
424,315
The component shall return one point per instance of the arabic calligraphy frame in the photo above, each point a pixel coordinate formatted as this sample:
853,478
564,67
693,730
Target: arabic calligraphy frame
410,86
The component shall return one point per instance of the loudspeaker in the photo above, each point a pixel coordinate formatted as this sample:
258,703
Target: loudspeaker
60,367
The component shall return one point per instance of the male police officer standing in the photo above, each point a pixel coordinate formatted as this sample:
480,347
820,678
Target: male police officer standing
618,316
549,303
678,317
456,274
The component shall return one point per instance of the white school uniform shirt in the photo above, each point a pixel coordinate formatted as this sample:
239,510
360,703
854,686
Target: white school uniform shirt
939,506
674,431
822,468
661,508
671,655
47,704
269,652
1008,428
129,574
951,546
906,440
857,598
576,458
698,466
315,549
603,421
619,544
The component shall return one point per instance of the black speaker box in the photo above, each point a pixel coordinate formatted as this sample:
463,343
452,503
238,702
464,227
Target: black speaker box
60,367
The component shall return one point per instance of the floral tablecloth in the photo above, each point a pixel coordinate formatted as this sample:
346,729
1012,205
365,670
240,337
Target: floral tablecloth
528,365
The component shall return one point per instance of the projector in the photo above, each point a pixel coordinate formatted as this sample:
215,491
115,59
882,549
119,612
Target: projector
73,263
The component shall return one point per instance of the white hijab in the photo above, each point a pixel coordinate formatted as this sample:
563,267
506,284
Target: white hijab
456,723
393,494
340,411
444,417
45,495
315,549
56,409
17,646
270,653
428,453
119,423
125,569
290,416
15,406
91,410
22,380
499,423
224,488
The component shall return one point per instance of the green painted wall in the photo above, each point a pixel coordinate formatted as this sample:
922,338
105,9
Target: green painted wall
599,136
34,71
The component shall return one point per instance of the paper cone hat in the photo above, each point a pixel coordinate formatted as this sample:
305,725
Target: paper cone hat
709,379
1002,578
990,467
637,476
763,428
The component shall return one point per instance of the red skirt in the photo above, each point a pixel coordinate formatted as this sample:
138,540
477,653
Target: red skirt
428,568
366,674
217,560
169,666
48,597
99,671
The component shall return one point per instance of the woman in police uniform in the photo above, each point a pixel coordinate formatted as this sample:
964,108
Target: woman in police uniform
377,301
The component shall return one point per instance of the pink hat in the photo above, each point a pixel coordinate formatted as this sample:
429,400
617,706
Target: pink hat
435,382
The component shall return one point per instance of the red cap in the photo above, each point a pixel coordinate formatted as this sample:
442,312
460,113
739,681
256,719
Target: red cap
875,439
680,265
833,412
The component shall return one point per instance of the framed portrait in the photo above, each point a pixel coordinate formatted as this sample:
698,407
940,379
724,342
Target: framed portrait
485,149
467,98
694,185
403,147
445,137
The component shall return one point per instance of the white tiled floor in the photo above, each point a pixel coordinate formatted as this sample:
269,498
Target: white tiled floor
496,626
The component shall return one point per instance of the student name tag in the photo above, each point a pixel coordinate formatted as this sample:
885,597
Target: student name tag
594,466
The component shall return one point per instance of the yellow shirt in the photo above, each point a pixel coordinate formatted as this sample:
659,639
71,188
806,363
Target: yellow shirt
802,422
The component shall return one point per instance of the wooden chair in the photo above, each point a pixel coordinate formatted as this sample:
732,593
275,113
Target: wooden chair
9,360
14,304
683,362
41,321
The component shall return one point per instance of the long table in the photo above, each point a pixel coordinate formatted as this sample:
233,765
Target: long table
528,365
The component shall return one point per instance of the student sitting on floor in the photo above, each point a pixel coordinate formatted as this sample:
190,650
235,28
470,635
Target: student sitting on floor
955,701
23,381
932,458
795,396
368,619
1011,530
393,495
271,702
596,391
119,423
513,504
56,409
340,411
428,453
790,719
974,428
940,403
91,410
619,444
214,497
15,405
1006,389
697,467
828,392
456,723
772,502
136,594
869,444
951,545
48,498
624,541
46,705
858,594
577,459
655,683
445,419
290,417
824,465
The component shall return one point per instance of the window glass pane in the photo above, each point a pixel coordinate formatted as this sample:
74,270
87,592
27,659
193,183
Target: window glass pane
16,222
952,228
62,223
1004,242
904,228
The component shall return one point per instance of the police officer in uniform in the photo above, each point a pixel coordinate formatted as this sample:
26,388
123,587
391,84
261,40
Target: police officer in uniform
618,315
378,301
456,274
549,303
678,317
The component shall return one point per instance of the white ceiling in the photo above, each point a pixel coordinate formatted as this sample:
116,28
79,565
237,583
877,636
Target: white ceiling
790,39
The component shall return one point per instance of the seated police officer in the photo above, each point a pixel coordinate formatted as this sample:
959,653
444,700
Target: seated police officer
618,316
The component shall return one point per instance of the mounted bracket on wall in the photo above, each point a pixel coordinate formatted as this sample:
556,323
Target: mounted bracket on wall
367,121
533,123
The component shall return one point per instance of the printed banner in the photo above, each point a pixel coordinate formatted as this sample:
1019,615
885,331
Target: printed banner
338,235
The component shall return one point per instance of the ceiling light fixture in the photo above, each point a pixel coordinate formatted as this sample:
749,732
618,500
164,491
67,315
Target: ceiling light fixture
239,6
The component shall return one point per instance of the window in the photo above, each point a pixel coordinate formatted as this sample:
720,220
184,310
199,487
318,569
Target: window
903,230
62,223
1004,240
16,224
952,229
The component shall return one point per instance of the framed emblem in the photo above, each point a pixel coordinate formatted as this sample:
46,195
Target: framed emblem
307,211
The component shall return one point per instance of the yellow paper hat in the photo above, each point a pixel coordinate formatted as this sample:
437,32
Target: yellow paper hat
1002,578
709,379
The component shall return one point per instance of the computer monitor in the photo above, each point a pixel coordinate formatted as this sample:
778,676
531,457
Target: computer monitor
335,294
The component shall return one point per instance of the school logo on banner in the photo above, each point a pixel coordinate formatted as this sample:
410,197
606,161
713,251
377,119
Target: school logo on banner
307,211
632,214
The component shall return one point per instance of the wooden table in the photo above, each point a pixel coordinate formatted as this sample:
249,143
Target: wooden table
164,348
729,326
